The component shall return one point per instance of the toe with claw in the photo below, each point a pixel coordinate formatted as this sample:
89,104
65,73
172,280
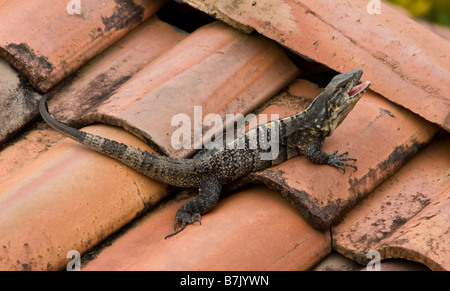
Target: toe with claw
185,218
340,161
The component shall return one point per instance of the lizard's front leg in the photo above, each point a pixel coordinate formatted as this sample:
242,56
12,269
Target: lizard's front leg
192,211
315,155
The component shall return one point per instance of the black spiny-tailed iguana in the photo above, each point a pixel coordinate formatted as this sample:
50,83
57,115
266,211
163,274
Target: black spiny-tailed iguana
299,134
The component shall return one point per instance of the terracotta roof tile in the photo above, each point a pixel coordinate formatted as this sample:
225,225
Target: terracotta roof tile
442,31
405,217
399,265
70,198
404,61
26,148
18,101
235,236
252,69
47,40
65,197
91,84
337,262
237,54
97,80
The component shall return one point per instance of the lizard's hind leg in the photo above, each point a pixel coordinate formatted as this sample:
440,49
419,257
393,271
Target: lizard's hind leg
192,211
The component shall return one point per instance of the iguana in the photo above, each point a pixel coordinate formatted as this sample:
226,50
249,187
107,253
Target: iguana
299,134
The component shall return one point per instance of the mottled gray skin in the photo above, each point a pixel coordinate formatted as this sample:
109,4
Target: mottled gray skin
299,134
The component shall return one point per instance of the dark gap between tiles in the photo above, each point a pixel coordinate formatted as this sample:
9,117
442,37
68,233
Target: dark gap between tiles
312,71
183,16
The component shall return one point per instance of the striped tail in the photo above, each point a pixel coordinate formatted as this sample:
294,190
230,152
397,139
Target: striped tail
173,171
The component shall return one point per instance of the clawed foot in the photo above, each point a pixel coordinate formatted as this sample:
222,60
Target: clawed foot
184,218
338,161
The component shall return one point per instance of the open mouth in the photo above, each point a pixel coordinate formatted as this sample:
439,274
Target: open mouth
358,89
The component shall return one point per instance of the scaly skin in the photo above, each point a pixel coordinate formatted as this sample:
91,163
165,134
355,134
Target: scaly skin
299,134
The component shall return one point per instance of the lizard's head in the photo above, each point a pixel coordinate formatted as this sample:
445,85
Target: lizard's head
338,99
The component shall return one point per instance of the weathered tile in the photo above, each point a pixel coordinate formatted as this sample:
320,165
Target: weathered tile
405,62
48,40
25,148
254,229
18,101
91,84
379,134
337,262
209,6
441,30
396,265
16,190
66,178
100,77
408,216
70,198
217,68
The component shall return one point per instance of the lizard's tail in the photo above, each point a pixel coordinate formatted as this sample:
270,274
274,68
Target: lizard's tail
173,171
